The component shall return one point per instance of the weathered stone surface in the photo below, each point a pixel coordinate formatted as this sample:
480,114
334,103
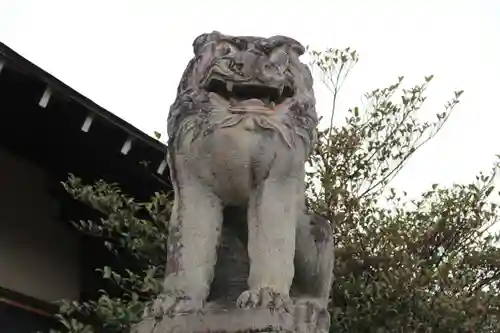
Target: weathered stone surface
305,318
240,130
233,320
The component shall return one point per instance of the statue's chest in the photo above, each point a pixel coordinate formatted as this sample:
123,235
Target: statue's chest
243,145
235,160
241,161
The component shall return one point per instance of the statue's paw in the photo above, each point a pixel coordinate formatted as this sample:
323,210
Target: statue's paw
171,305
264,298
248,299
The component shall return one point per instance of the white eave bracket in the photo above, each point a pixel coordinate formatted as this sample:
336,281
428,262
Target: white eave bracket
87,123
162,167
127,146
44,101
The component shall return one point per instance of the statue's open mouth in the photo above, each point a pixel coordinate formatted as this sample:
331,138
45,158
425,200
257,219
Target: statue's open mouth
245,95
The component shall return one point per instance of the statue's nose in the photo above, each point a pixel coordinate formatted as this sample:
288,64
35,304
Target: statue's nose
246,63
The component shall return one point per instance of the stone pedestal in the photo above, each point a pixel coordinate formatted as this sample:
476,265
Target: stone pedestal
306,318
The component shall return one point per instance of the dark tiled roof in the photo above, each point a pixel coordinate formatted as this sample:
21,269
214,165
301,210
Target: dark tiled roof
66,132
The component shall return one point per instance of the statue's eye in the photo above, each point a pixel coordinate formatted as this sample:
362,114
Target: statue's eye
264,46
226,48
280,57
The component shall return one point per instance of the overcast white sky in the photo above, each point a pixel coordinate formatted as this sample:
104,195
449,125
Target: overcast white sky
128,56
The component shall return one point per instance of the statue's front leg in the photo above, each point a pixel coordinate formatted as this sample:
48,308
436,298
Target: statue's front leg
271,243
194,232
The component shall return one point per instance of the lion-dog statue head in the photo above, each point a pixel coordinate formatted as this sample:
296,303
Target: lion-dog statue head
240,131
232,78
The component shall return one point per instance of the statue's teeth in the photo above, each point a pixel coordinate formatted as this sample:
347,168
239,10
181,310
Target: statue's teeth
229,86
280,90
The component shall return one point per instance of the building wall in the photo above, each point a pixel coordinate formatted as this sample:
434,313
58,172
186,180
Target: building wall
39,255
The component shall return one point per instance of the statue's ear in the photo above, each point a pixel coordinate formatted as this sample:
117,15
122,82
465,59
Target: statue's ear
204,39
298,48
293,44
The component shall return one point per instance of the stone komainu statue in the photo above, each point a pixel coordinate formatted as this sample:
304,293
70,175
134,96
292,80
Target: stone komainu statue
240,131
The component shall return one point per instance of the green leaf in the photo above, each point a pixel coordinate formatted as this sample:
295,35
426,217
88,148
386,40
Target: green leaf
106,272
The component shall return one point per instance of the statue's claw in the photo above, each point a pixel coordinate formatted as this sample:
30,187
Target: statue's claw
265,298
248,299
